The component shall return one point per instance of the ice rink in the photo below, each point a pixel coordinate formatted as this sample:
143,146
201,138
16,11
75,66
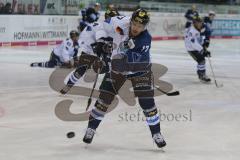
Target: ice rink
201,123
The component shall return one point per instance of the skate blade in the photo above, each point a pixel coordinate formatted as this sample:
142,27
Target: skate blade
204,82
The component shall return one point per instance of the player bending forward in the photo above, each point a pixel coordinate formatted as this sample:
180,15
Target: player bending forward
194,43
131,45
89,57
64,55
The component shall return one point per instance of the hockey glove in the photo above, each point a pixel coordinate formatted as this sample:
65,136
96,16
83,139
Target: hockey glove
103,46
206,53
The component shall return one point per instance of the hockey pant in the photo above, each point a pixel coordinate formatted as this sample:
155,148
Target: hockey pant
200,59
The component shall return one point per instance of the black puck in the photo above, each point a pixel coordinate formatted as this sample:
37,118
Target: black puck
70,134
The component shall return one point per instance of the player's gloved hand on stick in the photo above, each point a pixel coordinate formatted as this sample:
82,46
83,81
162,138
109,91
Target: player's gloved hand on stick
206,53
103,46
206,44
98,65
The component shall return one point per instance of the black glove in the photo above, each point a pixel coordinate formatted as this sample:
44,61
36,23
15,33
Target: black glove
206,53
98,65
103,46
206,44
101,65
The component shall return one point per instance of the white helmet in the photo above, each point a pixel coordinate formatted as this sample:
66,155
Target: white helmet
211,13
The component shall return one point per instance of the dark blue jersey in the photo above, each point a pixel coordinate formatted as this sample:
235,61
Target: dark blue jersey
90,15
140,53
190,14
208,22
206,34
206,31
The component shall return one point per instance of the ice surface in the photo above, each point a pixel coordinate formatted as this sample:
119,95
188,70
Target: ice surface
29,129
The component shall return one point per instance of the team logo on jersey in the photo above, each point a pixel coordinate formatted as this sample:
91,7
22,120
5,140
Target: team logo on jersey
68,43
136,57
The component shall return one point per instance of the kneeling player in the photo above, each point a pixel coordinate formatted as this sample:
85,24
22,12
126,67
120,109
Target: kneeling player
64,55
194,44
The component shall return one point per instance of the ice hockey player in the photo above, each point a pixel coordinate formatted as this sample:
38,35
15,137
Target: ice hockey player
132,42
89,15
194,44
207,31
209,19
89,58
190,14
64,55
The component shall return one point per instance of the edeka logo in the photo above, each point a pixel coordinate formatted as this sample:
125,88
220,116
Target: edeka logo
62,109
2,29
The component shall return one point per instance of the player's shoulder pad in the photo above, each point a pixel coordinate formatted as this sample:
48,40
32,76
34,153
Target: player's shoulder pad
144,38
193,29
118,20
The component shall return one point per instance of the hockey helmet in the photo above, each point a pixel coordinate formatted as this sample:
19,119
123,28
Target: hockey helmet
196,19
74,33
111,13
141,16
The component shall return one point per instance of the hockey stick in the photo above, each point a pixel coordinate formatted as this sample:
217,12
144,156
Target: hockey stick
94,85
174,93
214,77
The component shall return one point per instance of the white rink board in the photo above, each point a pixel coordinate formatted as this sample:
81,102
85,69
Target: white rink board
25,30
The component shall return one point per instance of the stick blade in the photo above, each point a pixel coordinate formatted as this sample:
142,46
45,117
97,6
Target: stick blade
218,85
176,93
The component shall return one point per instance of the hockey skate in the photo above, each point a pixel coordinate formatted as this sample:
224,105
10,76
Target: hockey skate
66,89
204,79
158,139
36,64
88,137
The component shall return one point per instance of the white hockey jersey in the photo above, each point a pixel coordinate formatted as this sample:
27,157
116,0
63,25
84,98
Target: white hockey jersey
110,27
66,50
193,39
88,37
